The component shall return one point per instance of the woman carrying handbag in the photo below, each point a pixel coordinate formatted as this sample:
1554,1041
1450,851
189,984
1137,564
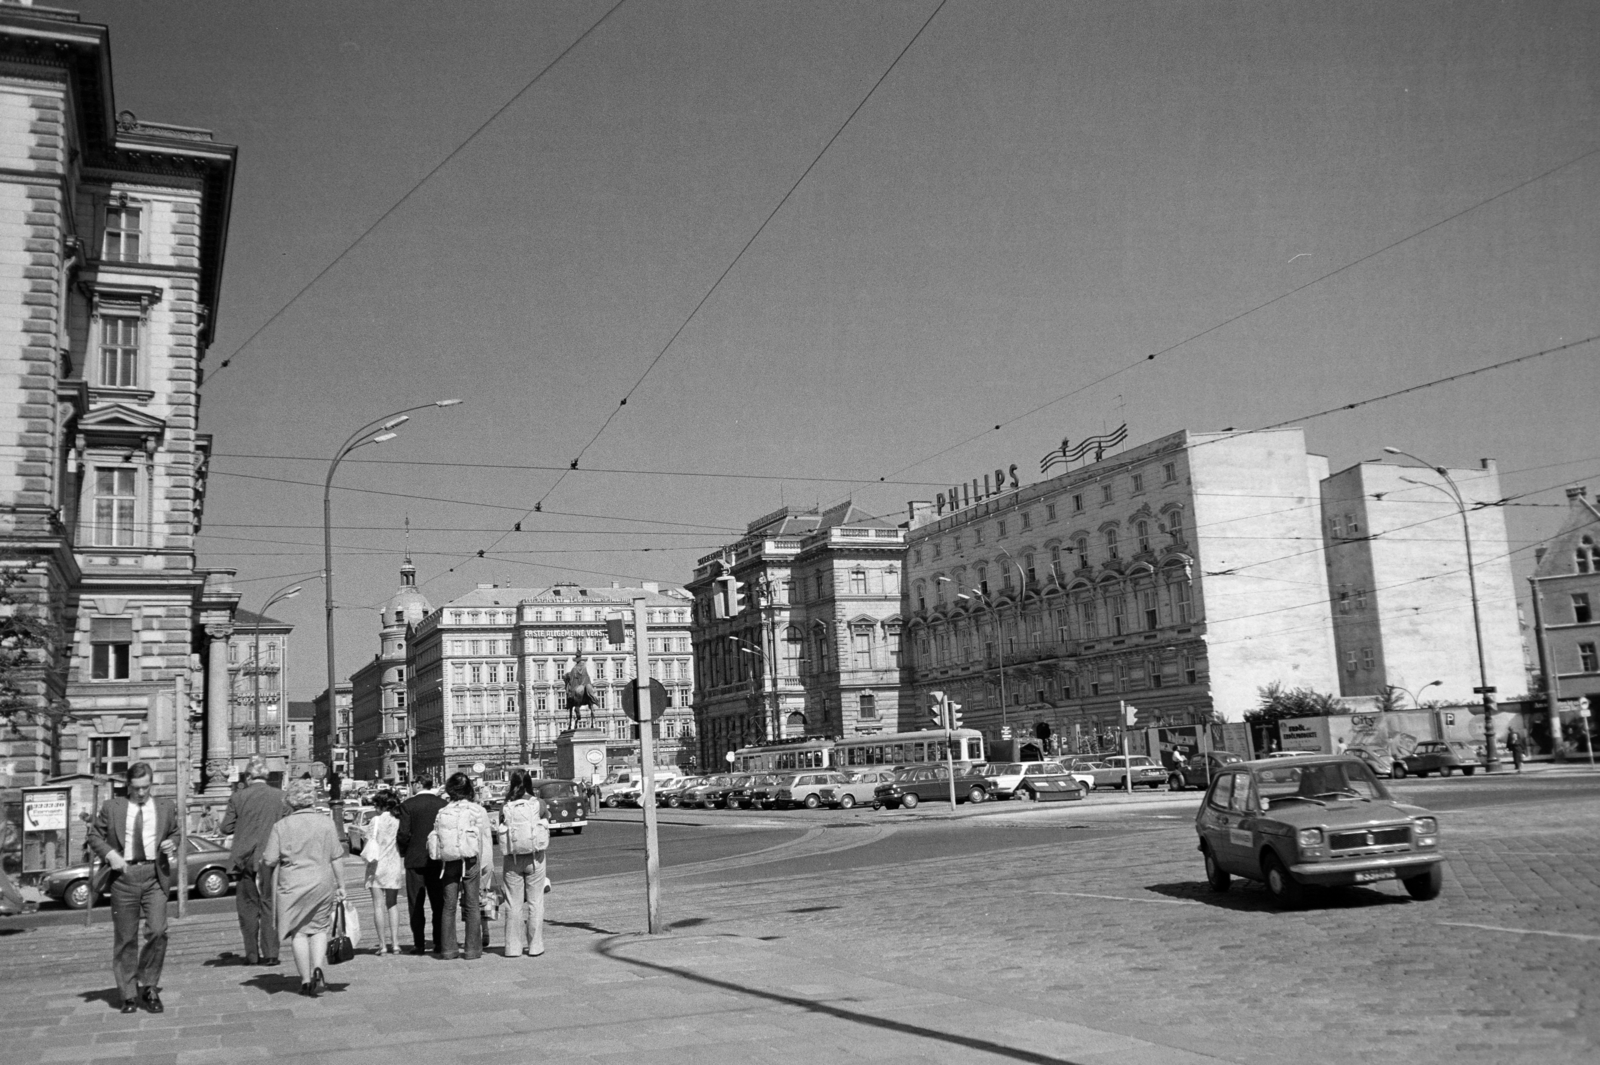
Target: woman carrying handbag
307,851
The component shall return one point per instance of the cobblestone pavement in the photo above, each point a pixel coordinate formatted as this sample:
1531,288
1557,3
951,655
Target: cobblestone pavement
1099,948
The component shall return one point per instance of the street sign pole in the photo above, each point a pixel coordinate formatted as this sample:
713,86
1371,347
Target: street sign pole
647,768
1584,711
180,750
1127,769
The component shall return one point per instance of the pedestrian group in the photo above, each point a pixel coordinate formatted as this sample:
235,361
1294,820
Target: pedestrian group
288,854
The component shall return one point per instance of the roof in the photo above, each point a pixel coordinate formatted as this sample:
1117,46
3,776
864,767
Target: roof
248,619
567,593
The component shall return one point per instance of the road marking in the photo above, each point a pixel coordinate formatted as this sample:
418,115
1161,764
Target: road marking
1121,898
1522,931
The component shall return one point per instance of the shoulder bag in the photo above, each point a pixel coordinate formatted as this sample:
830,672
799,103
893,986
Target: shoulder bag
340,949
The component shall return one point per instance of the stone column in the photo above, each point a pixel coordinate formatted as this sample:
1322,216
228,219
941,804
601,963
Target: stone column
219,748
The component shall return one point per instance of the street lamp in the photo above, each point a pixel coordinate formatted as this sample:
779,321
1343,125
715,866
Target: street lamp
382,430
749,649
286,592
1454,492
1416,700
1000,645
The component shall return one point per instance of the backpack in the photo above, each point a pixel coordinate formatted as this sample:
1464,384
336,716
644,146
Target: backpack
455,834
526,831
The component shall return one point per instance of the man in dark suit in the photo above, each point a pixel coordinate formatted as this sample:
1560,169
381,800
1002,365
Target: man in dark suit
424,875
252,811
138,837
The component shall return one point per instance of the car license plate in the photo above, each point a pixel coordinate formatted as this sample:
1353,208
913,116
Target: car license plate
1370,875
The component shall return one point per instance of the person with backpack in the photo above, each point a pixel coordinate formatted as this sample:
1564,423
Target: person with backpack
463,844
524,834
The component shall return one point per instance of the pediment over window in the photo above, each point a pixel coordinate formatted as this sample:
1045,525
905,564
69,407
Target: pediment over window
120,425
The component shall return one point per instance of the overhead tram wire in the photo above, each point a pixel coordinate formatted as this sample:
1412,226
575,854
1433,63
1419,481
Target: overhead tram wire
1142,360
606,424
412,191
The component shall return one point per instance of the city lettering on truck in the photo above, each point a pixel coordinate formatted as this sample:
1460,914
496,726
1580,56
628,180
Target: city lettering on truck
977,490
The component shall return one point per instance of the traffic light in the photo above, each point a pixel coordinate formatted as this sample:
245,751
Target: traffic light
936,711
955,715
729,600
616,636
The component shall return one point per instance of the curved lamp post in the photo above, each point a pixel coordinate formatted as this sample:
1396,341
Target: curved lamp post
750,649
377,431
286,592
1416,699
1492,756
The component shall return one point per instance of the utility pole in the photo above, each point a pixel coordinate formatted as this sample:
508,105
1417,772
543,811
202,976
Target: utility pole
181,711
647,768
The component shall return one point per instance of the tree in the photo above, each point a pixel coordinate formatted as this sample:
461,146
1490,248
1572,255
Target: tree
30,641
1278,703
1389,699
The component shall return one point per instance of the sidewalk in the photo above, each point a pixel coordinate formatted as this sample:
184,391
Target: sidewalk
1105,950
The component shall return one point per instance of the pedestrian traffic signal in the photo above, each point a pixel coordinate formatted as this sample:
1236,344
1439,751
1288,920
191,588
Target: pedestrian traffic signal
955,715
936,711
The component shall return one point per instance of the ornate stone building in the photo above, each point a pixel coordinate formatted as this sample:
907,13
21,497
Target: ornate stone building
1566,598
258,663
1179,576
112,235
797,631
485,672
380,718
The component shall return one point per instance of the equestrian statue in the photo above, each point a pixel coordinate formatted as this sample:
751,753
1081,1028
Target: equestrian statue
580,693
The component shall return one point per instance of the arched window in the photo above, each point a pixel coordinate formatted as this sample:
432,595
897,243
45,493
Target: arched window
983,578
1588,556
1082,545
1143,529
793,644
922,595
1027,567
796,721
1055,561
1111,543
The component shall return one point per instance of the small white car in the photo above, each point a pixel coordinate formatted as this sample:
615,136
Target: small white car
857,788
1007,779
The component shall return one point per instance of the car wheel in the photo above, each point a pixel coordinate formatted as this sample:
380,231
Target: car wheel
733,804
1281,883
846,801
77,895
812,802
979,795
212,884
674,802
1466,770
1083,791
1219,880
611,801
1175,783
1397,771
1425,886
1444,771
910,801
578,831
876,805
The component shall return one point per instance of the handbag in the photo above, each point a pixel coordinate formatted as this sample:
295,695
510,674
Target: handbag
340,948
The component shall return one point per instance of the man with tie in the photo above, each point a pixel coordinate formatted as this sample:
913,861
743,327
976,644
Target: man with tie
138,837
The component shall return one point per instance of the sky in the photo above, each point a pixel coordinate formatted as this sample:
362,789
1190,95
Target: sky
1037,196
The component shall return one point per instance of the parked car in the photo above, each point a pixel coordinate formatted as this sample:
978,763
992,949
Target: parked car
210,876
764,792
1323,820
857,787
671,794
357,822
928,784
1146,772
1036,781
1378,759
1102,774
1438,756
753,793
566,805
805,789
696,795
1199,771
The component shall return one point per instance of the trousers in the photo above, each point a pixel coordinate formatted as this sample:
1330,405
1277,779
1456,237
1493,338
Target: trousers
462,891
255,903
425,891
137,894
524,879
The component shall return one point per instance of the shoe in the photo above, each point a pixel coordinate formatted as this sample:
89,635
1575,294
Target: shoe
318,985
534,953
130,1005
419,950
152,1000
270,961
251,959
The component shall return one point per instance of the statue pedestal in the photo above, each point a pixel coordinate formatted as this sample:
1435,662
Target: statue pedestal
581,755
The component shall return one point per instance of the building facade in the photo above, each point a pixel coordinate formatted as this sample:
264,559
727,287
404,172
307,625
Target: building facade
381,727
113,234
485,674
1400,597
258,662
1178,577
299,745
1566,604
797,630
331,741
